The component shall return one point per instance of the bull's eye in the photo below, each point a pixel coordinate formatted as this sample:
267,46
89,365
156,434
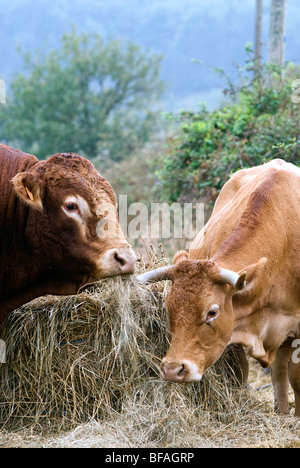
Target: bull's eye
72,207
213,313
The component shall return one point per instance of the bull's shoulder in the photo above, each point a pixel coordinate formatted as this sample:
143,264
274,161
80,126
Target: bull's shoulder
9,152
13,161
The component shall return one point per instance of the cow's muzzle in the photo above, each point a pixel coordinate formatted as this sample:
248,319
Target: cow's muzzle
181,371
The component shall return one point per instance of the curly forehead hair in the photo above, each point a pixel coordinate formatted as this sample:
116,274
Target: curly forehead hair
71,161
71,166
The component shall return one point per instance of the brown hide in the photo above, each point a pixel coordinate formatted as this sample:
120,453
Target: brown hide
253,240
58,226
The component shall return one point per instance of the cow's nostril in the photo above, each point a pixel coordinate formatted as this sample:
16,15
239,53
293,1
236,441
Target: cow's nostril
174,372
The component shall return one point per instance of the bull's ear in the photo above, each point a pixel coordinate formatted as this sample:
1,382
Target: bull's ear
29,189
180,257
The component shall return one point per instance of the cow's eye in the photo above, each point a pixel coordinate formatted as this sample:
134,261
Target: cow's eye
212,313
72,207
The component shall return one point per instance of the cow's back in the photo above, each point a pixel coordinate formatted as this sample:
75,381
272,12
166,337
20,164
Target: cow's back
252,196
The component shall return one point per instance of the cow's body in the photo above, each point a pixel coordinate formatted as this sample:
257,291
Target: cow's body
240,282
258,216
50,212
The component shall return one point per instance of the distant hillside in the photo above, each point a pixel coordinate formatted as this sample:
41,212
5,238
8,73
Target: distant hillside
213,31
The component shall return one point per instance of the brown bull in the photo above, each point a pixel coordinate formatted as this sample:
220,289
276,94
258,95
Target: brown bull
58,226
240,281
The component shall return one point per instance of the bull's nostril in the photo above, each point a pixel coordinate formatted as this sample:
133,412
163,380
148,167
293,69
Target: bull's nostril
179,373
120,259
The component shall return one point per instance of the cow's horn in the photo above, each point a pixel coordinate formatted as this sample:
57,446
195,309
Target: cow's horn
154,276
236,280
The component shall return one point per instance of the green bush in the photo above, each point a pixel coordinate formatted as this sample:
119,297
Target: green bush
259,124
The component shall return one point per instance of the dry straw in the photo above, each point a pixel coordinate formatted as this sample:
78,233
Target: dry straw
83,357
95,358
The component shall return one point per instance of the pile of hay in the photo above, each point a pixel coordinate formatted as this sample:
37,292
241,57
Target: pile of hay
70,360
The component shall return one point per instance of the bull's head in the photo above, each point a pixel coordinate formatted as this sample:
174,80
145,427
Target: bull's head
73,221
201,315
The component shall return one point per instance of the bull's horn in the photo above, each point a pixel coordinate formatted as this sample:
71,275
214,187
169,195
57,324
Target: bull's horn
154,276
236,280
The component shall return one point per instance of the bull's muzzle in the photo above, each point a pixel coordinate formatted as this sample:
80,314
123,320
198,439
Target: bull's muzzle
118,261
124,258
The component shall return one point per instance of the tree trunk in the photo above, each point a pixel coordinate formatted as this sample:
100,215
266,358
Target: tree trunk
276,47
258,31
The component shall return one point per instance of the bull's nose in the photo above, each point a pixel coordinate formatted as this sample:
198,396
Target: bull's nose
125,260
174,372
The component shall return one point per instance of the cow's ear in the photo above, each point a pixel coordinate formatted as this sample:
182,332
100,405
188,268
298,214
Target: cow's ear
180,257
254,277
236,280
29,189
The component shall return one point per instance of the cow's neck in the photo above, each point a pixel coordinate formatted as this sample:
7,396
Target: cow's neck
263,318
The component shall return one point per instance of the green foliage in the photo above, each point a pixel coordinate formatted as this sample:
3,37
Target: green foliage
260,124
89,97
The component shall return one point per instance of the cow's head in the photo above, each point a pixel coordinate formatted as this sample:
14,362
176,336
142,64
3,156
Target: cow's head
201,315
73,219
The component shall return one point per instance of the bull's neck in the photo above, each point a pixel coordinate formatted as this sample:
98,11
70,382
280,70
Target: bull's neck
19,251
16,252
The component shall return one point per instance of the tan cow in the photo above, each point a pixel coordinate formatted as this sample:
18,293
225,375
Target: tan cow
240,282
58,227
